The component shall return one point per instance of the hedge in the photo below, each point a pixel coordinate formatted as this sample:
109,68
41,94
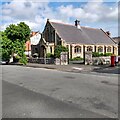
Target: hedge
97,54
76,59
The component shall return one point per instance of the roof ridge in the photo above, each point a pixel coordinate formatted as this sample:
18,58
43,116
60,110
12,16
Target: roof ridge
90,28
73,25
62,23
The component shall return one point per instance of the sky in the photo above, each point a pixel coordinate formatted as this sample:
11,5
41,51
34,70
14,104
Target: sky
96,14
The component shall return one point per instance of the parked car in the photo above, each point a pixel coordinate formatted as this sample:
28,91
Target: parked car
4,62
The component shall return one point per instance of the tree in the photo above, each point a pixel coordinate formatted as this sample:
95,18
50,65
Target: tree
5,48
15,36
19,32
58,50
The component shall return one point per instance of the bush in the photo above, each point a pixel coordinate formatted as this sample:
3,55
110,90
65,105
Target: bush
101,54
23,59
97,54
58,50
107,54
49,55
5,57
17,57
76,59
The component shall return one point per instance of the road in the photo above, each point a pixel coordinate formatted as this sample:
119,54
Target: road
35,92
19,102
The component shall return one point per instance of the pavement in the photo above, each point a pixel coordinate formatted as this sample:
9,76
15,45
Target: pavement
78,68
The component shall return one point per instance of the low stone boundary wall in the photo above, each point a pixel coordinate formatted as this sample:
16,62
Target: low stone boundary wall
101,60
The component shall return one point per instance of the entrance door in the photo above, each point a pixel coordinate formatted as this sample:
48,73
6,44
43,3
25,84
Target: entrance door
42,51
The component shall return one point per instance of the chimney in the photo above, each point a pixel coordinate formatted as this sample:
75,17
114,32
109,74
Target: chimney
108,33
77,24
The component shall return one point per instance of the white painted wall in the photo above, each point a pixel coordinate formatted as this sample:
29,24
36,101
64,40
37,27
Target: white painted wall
35,39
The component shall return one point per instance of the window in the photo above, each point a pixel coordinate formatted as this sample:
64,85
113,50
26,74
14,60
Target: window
89,48
50,49
108,49
100,49
77,49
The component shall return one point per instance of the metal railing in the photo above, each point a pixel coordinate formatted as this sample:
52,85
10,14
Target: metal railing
41,60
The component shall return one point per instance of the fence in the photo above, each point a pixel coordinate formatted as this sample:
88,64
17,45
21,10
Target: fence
41,60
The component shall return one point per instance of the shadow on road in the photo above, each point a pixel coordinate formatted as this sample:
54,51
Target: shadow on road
109,70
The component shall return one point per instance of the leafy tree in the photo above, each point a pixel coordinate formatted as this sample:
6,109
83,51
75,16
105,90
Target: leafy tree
5,48
19,32
14,39
58,50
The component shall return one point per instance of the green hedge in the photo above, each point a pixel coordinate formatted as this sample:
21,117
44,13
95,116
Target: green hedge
107,54
76,59
49,55
97,54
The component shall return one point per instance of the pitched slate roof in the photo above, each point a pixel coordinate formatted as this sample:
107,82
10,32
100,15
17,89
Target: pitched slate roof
85,35
116,39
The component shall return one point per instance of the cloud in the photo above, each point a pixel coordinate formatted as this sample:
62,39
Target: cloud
23,10
32,13
35,13
90,12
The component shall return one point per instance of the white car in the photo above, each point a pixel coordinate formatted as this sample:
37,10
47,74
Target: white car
3,62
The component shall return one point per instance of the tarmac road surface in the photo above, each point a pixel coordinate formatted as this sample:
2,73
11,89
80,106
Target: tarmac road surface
19,102
37,92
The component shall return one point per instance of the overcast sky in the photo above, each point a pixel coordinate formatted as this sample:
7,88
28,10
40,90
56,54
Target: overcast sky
100,14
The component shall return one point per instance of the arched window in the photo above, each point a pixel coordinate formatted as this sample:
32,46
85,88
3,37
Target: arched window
89,48
100,49
108,49
77,49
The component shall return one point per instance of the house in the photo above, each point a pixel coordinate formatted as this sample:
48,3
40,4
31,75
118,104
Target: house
28,48
117,41
35,47
76,38
32,45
